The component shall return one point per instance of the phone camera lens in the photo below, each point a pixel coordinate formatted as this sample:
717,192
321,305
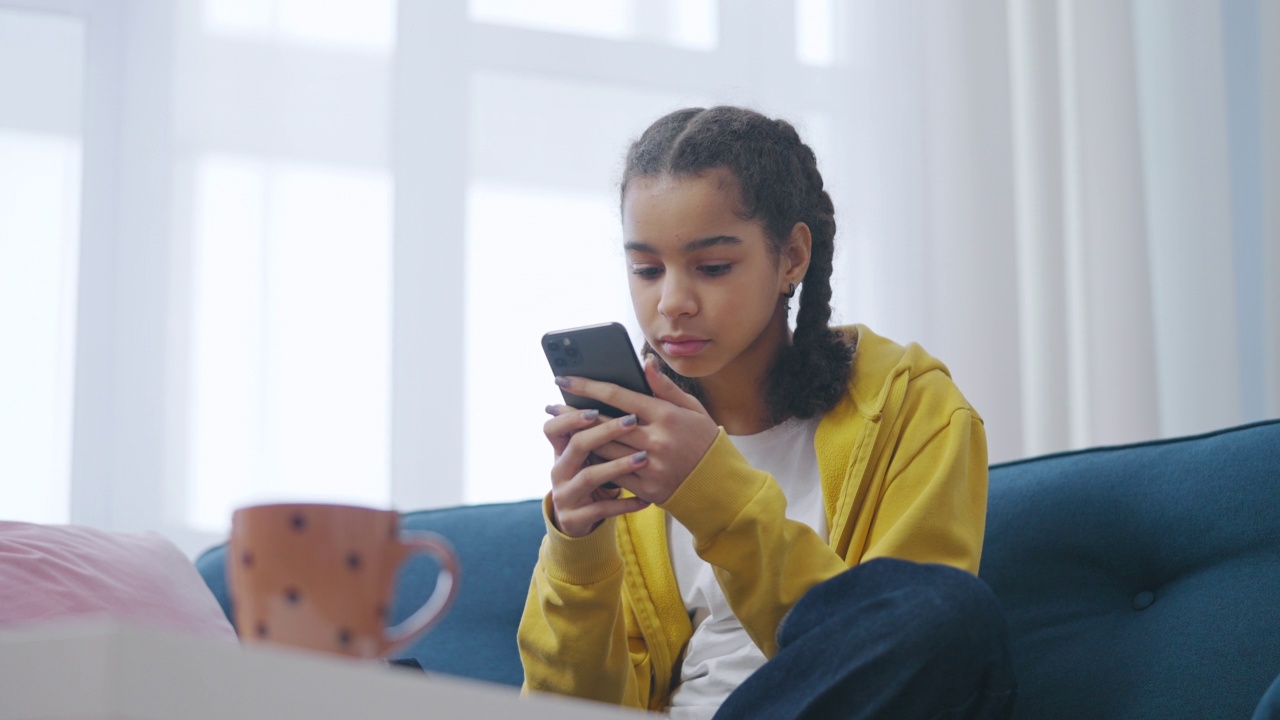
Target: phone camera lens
553,347
559,362
571,351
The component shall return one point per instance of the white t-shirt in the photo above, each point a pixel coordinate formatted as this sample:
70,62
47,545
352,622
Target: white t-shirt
721,654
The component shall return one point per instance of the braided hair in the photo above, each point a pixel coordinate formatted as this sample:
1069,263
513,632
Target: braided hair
780,185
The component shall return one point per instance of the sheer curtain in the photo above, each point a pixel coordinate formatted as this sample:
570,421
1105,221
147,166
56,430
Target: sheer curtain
287,249
1075,205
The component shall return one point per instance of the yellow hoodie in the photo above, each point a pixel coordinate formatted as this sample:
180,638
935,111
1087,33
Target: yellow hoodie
903,462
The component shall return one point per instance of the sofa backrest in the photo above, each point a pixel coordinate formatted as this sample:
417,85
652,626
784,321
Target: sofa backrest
1141,581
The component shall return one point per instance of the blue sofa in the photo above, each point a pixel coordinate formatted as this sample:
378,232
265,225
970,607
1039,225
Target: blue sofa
1140,581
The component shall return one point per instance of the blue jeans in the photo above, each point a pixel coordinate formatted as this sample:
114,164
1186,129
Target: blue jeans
886,639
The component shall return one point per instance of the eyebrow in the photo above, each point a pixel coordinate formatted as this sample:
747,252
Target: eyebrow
691,246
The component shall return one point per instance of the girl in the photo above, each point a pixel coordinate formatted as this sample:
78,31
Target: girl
716,579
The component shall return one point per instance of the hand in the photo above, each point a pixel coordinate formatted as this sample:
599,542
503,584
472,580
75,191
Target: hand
578,502
609,451
674,430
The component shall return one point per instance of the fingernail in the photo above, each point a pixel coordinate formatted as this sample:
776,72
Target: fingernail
562,381
552,410
590,414
640,457
628,421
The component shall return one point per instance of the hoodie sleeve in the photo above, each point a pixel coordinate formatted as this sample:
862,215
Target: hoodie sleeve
763,561
573,636
934,505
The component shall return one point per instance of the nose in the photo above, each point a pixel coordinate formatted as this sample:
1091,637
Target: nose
678,296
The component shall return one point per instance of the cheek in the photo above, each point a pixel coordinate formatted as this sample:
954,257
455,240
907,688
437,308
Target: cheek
757,292
642,299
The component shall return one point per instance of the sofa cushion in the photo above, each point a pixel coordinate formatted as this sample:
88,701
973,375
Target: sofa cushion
59,572
1141,581
497,548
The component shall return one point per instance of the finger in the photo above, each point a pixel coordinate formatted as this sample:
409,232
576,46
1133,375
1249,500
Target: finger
580,521
595,477
665,388
583,442
561,428
603,432
623,447
607,491
589,484
613,490
626,400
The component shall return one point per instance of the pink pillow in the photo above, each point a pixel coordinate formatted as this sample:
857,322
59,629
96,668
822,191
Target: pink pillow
51,572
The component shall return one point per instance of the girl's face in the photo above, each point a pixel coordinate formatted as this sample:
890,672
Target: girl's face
705,283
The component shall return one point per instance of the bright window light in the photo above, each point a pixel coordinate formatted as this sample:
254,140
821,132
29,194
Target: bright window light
598,18
352,24
360,25
41,91
694,24
686,23
39,253
291,325
537,260
239,17
815,32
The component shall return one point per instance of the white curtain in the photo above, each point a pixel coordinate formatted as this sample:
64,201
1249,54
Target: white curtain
1075,205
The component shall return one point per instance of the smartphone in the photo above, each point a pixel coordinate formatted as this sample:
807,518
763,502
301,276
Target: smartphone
600,352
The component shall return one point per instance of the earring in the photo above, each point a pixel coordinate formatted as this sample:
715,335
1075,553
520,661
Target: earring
790,293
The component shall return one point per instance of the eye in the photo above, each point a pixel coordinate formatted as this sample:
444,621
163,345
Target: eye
646,271
715,270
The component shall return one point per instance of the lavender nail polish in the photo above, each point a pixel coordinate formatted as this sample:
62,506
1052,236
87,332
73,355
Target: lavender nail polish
562,381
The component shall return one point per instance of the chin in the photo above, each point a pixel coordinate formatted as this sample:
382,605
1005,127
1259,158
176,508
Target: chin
690,367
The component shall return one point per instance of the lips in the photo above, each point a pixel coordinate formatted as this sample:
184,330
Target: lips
683,346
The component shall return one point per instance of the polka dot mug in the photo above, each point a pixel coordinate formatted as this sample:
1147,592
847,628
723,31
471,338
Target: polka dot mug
322,577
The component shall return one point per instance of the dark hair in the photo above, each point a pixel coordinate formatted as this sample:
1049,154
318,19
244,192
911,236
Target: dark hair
779,185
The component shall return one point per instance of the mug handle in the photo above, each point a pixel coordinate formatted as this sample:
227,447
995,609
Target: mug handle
433,610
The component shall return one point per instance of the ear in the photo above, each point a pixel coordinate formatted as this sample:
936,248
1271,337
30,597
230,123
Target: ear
796,251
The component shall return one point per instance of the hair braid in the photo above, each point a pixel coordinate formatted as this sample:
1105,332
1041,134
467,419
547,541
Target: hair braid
810,375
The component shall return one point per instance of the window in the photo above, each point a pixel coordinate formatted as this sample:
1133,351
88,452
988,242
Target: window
288,387
291,361
41,59
537,260
544,252
250,175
